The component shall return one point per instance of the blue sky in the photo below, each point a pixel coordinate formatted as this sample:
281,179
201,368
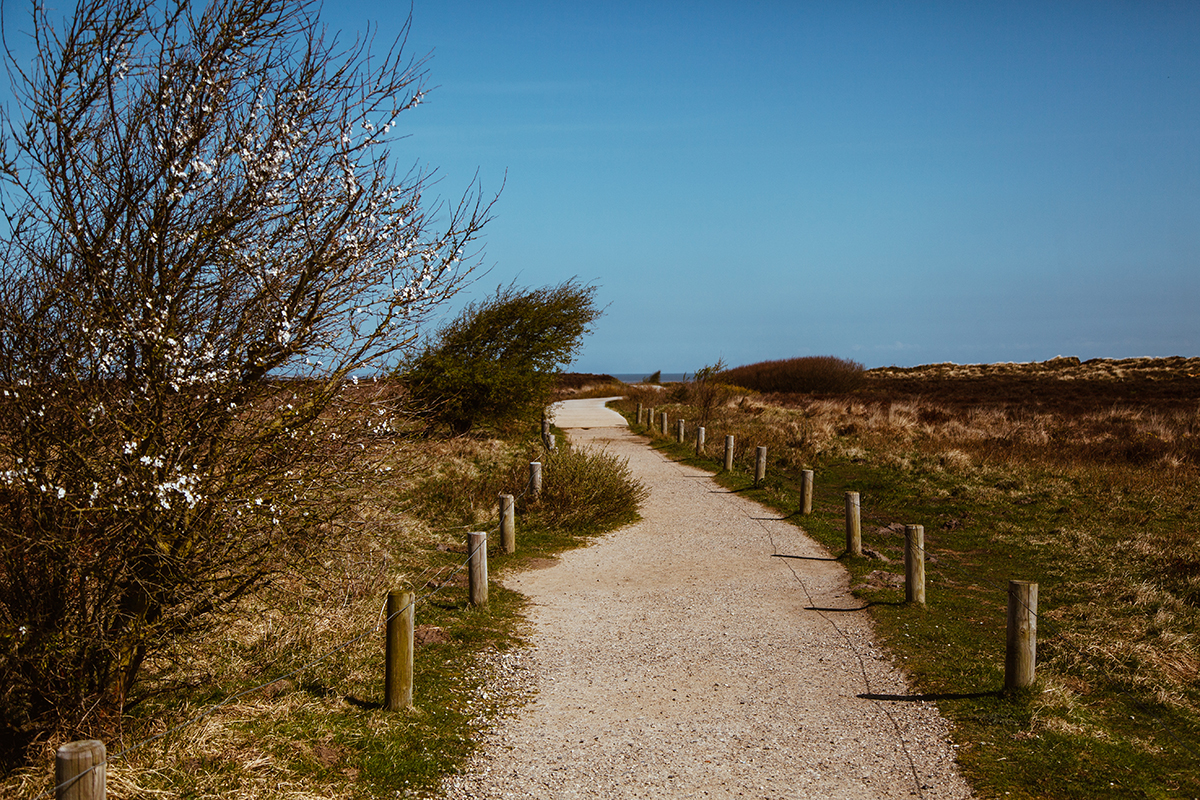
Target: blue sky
896,183
893,183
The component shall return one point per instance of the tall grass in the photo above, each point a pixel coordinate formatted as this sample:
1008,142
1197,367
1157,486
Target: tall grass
583,490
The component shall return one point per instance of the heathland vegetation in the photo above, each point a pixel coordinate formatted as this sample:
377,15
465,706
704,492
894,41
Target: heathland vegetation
1081,477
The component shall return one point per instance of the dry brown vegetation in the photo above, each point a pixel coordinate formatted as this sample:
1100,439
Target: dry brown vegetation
568,383
803,374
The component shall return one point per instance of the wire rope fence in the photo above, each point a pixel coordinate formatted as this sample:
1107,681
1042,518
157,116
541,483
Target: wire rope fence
1022,604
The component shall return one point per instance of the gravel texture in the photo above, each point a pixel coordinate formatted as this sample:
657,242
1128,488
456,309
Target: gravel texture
711,650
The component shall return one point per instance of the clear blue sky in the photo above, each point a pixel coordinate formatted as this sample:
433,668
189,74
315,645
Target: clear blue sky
897,183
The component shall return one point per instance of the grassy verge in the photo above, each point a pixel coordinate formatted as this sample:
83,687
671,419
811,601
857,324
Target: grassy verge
288,701
1112,547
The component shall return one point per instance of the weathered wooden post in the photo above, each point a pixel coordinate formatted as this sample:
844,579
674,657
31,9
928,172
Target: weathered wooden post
639,416
679,427
650,420
699,441
914,563
729,453
535,479
547,435
398,655
806,491
1020,655
853,524
508,524
477,569
760,465
79,770
664,423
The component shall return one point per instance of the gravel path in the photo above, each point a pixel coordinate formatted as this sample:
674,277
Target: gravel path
711,650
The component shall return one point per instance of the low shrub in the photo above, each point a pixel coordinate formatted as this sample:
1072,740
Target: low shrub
804,374
580,380
582,489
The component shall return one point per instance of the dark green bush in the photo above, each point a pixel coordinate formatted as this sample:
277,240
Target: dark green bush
496,363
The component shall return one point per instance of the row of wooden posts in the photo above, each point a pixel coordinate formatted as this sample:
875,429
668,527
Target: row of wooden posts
398,648
1021,635
80,766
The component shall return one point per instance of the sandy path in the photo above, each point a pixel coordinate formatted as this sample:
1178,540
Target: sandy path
710,650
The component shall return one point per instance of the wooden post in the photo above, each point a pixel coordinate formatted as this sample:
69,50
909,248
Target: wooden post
853,524
1020,656
535,479
398,658
806,491
508,524
79,770
760,465
477,568
679,427
664,423
699,441
729,453
914,563
548,436
639,416
650,420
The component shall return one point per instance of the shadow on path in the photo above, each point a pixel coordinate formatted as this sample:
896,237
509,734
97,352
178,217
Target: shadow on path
919,698
804,558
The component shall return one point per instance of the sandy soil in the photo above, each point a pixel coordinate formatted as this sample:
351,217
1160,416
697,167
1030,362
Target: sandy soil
711,650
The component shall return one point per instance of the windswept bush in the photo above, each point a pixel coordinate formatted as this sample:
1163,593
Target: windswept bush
804,374
496,363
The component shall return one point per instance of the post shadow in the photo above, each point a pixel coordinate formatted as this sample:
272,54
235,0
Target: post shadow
923,698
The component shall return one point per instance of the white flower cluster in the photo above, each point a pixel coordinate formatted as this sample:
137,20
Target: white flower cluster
182,485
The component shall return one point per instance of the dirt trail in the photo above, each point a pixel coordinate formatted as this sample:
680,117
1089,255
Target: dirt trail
711,650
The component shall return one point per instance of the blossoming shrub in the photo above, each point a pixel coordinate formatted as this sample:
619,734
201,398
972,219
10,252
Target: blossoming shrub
206,244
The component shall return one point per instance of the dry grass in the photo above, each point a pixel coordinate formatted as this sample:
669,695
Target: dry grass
311,611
